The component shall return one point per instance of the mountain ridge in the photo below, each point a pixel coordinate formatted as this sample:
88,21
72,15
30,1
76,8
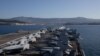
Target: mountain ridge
75,19
54,20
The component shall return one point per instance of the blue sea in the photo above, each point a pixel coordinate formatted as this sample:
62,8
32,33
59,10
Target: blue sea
5,29
90,38
90,35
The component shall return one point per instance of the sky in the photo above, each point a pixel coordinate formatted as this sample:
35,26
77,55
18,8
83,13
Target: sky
50,8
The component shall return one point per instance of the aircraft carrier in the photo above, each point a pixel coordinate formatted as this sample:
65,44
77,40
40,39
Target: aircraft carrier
59,41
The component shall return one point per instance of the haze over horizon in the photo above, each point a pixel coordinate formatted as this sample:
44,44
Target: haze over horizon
50,8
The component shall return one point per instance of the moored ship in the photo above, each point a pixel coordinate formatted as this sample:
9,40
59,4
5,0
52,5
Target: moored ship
46,42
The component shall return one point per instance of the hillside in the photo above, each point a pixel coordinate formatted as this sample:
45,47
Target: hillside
9,21
76,20
57,20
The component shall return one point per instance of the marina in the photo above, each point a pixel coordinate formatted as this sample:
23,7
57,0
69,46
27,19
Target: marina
61,41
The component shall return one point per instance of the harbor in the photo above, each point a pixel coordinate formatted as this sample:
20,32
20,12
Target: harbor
61,41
